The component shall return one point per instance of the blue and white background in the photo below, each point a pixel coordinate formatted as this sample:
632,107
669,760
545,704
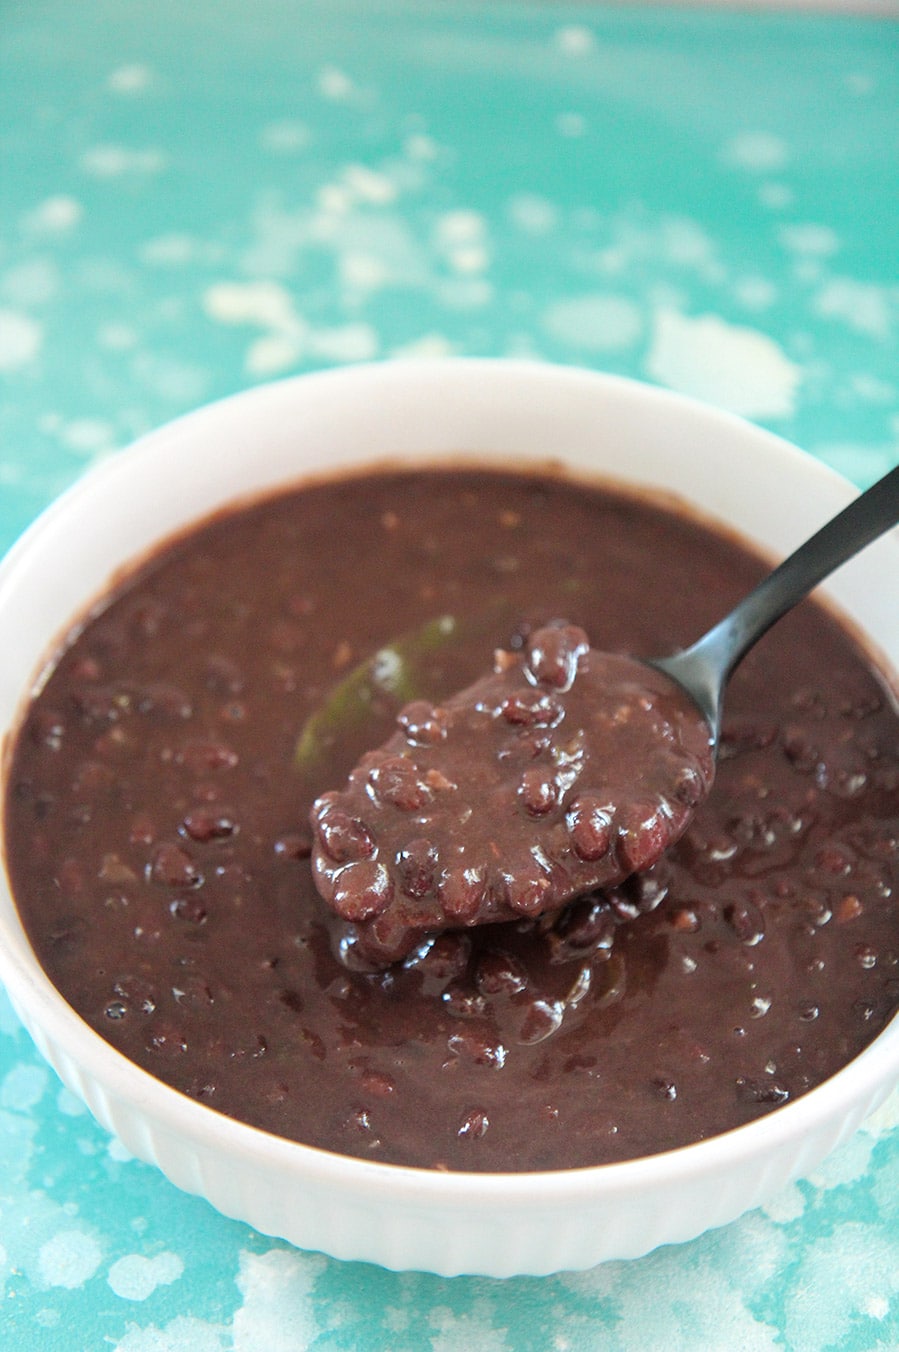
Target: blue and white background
197,197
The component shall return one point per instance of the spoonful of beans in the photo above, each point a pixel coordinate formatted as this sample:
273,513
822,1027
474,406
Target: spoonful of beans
564,770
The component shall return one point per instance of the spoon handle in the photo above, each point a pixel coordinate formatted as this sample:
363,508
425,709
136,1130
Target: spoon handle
706,666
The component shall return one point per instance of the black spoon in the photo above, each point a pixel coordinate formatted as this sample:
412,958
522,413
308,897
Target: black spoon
705,668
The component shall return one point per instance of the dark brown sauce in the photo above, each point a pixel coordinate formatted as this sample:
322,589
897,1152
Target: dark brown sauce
157,837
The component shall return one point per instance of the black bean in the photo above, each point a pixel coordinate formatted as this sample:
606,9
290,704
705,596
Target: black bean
172,866
47,728
539,791
209,823
532,708
461,894
189,910
746,921
343,838
394,780
498,973
478,1048
293,845
423,723
526,892
201,757
474,1125
464,1003
362,890
760,1091
542,1019
553,654
643,834
416,865
590,826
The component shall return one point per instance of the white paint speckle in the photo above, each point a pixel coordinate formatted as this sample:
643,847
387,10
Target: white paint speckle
469,259
420,147
272,354
130,79
532,214
468,1330
810,240
464,293
285,138
709,1310
87,436
851,1270
885,1118
571,124
460,227
859,83
172,249
34,282
736,368
278,1312
334,84
788,1205
135,1277
345,343
862,306
574,40
117,337
845,1165
264,303
113,161
594,323
367,185
20,339
185,1333
288,336
522,347
362,272
808,271
776,196
54,216
395,1318
334,198
460,239
873,390
69,1259
685,243
428,346
174,378
758,151
23,1087
69,1104
118,1152
756,293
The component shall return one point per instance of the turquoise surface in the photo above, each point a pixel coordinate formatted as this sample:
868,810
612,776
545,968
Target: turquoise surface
196,197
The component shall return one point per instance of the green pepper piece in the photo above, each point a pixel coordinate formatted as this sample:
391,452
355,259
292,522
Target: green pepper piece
393,675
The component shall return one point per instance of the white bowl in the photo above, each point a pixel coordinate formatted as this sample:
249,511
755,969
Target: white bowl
447,1223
